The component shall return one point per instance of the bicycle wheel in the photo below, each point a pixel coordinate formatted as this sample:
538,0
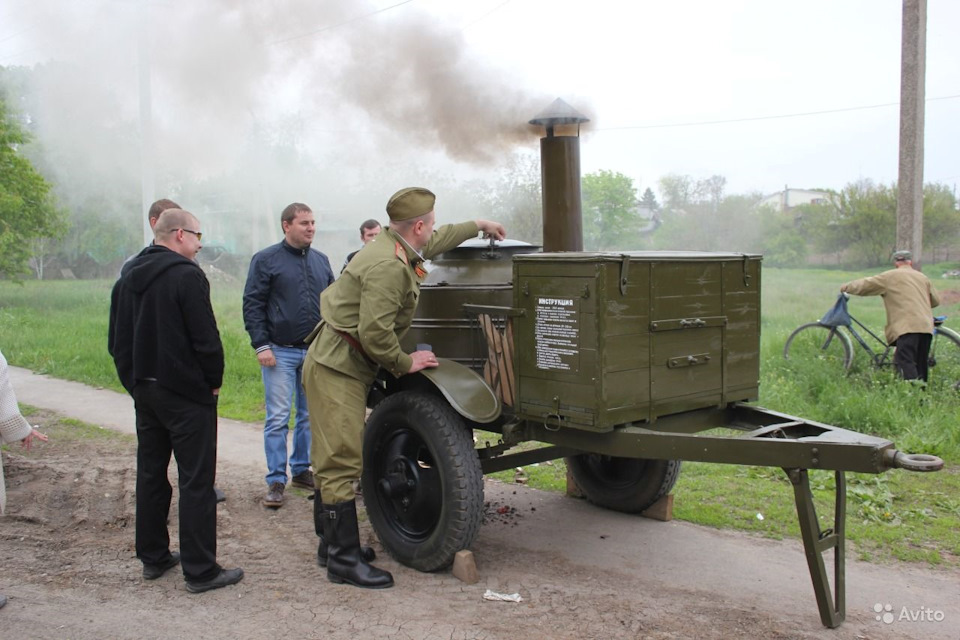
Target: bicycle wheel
815,342
944,359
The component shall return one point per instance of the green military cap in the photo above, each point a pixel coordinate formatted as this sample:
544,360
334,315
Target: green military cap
902,255
409,203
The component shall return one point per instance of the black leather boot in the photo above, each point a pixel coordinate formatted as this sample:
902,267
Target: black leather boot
367,553
345,563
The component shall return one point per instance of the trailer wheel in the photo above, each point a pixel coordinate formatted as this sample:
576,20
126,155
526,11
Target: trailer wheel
623,484
422,482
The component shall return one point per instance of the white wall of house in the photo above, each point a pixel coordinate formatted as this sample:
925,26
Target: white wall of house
789,198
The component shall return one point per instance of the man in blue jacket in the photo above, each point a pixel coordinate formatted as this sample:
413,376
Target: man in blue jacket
281,305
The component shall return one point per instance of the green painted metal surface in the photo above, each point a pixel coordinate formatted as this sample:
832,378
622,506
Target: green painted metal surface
466,392
473,273
611,338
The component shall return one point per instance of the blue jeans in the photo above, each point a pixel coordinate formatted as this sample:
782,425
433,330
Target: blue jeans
282,386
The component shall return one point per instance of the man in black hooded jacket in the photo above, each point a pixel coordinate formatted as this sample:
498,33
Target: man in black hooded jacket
166,346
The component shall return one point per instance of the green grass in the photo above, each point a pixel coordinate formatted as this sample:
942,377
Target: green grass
908,516
865,399
549,476
59,328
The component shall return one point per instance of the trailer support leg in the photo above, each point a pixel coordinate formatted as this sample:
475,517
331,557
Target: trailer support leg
832,604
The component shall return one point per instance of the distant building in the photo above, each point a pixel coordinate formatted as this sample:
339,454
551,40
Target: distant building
790,198
650,217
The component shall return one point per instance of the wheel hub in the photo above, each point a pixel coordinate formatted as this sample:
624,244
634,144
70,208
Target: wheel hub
410,487
397,484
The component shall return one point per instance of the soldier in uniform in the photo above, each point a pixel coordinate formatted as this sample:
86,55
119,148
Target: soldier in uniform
365,313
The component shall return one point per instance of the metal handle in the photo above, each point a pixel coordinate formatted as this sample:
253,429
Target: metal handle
550,427
688,361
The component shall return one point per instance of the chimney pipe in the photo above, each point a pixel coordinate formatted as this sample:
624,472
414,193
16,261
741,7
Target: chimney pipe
560,175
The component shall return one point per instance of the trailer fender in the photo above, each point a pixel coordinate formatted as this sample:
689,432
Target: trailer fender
467,392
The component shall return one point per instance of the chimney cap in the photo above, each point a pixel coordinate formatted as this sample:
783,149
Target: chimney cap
559,112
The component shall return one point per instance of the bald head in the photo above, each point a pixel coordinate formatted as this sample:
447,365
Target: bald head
179,231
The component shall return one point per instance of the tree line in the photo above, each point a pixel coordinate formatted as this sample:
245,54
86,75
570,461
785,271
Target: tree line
854,227
59,206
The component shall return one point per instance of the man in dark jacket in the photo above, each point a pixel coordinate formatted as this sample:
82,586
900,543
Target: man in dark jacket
281,305
153,214
369,230
164,341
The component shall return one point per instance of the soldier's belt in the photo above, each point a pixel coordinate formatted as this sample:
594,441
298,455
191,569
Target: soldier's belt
353,342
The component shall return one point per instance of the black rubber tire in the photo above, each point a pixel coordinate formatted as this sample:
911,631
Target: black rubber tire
944,360
623,484
807,343
422,483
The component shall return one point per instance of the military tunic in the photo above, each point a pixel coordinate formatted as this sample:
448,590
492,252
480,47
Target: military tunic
373,301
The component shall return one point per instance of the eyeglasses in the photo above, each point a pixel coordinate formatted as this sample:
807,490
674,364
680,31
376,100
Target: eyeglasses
199,234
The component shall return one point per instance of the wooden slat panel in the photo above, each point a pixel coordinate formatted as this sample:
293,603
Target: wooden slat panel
499,365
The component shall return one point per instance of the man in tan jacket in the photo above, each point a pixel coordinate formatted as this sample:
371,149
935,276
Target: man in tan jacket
909,299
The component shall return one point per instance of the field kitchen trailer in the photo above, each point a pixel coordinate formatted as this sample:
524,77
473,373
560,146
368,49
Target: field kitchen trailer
624,364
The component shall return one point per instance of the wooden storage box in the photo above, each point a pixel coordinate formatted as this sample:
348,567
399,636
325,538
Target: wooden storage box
612,338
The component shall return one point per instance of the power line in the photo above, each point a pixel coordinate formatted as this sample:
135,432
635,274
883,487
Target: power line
17,34
486,15
756,118
340,24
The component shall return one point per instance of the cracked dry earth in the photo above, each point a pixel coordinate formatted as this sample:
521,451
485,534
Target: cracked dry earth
69,570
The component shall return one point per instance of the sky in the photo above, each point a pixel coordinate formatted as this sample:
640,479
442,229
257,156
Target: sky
766,93
650,70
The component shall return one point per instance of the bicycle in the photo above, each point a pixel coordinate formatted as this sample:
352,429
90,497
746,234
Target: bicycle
825,342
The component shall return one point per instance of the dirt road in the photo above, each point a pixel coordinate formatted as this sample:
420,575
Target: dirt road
70,572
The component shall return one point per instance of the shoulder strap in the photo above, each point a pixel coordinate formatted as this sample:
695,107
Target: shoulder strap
401,253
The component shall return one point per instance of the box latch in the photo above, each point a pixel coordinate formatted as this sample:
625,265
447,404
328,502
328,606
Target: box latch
688,361
624,268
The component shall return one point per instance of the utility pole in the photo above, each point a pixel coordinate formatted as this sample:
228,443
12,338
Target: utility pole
913,66
147,172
